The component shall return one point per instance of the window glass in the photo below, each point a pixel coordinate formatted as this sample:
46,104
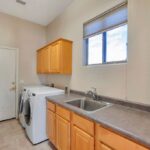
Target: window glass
95,50
116,44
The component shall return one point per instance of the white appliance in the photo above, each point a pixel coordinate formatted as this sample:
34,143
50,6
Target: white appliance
23,97
35,116
20,110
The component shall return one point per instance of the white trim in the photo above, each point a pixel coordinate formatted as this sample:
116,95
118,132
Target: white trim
17,74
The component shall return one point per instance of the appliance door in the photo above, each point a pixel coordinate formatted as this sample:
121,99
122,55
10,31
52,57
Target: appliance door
21,101
27,112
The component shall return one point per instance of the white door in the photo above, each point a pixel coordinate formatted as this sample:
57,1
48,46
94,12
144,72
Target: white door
7,83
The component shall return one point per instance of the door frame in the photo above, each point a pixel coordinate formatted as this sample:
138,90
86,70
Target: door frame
16,74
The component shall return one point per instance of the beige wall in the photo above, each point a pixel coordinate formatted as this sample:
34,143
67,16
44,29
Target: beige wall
126,81
138,69
129,81
27,37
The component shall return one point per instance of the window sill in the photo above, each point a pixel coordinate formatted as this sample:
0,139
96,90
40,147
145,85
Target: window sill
106,64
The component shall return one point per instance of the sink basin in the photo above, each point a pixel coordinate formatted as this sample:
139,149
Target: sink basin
87,105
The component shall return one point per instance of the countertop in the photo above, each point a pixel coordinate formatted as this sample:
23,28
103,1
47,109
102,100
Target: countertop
129,122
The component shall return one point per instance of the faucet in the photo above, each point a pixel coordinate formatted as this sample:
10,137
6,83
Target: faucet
92,93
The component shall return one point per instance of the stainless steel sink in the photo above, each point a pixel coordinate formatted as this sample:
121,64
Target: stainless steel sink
88,105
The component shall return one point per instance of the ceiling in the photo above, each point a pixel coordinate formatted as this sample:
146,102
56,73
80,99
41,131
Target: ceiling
37,11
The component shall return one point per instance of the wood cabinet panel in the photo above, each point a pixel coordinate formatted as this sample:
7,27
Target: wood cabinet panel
101,146
46,57
104,147
62,133
64,126
39,62
55,58
139,147
114,140
66,57
51,106
83,123
51,126
55,54
81,140
64,113
43,63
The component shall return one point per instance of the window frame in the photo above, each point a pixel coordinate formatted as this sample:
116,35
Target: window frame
104,48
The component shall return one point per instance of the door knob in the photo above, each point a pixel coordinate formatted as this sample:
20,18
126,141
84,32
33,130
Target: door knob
13,88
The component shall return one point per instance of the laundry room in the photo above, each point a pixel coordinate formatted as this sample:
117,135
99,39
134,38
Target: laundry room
75,75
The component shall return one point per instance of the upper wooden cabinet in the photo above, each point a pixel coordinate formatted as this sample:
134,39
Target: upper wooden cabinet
42,60
55,58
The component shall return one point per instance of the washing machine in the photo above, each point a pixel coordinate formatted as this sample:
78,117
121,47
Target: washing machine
23,97
20,110
35,116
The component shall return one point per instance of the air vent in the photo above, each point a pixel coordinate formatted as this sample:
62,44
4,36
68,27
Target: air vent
21,2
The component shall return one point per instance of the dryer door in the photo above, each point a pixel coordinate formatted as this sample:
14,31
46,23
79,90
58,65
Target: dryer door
21,100
27,112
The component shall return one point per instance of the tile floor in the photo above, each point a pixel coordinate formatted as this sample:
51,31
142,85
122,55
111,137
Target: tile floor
12,137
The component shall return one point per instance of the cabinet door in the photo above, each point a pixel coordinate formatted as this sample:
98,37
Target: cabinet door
45,60
139,147
66,57
43,63
39,61
55,52
62,134
51,126
113,140
101,146
81,140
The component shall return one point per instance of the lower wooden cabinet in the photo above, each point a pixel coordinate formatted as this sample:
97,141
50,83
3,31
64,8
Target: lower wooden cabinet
69,131
101,146
51,126
81,140
62,133
108,140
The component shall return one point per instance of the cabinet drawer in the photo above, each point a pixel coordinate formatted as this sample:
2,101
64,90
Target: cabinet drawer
51,106
115,141
64,113
84,124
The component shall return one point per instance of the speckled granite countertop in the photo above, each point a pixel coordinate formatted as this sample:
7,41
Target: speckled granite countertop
131,123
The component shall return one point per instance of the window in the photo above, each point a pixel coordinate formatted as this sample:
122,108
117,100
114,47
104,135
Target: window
105,37
95,49
117,44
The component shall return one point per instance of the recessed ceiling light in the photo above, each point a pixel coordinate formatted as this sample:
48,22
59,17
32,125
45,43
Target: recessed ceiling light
21,2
